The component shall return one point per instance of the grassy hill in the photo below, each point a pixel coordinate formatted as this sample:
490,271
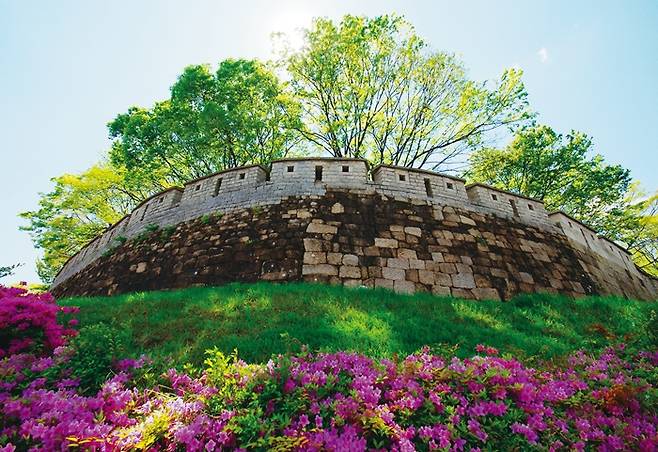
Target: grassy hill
264,319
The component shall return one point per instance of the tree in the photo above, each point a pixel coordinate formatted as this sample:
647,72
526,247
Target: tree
79,208
9,270
371,88
240,115
556,169
559,170
636,226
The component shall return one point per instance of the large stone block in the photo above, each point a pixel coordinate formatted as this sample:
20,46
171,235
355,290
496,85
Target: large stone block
347,271
319,228
463,280
320,269
396,274
386,243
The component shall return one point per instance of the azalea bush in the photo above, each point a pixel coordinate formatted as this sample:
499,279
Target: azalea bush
28,322
336,401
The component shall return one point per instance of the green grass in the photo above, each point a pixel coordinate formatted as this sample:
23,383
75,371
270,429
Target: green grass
176,327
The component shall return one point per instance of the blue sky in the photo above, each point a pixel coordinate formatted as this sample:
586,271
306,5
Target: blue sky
68,67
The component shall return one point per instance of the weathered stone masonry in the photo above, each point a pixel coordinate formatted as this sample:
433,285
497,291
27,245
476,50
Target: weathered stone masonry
322,220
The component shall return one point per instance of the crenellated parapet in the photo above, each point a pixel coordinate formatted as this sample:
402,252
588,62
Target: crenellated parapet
253,186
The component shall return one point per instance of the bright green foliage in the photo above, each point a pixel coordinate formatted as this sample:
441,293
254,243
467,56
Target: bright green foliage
372,88
80,207
176,327
239,115
636,225
560,171
555,169
96,351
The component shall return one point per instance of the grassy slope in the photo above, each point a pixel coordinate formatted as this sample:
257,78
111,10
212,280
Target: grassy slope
262,319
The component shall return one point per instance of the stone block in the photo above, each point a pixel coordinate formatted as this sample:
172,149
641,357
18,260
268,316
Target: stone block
442,279
413,231
397,263
385,283
482,293
141,267
386,243
347,271
334,258
396,274
441,291
438,257
319,228
406,287
461,293
417,264
314,257
482,281
371,251
404,253
426,277
463,280
320,269
313,244
448,268
337,208
350,259
526,278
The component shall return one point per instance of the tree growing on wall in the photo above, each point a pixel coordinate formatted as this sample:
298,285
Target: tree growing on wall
372,88
560,170
239,115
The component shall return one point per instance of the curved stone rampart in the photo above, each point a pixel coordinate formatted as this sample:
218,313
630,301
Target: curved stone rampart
315,178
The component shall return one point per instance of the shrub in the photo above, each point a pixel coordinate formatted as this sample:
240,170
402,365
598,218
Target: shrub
96,351
28,322
346,401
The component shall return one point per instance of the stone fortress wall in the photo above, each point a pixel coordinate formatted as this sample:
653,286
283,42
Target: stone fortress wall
253,186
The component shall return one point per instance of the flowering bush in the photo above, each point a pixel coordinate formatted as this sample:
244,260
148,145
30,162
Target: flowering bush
337,401
28,321
347,402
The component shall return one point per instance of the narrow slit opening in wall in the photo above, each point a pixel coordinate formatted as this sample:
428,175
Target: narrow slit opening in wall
291,169
218,186
514,208
346,169
494,197
428,188
198,187
318,173
402,177
530,207
449,186
144,212
242,176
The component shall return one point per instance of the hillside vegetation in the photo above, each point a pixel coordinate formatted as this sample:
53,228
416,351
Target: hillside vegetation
176,327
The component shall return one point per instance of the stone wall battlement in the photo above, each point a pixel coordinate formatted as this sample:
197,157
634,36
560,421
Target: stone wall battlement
255,186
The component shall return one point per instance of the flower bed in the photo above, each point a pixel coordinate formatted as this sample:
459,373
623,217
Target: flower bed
338,401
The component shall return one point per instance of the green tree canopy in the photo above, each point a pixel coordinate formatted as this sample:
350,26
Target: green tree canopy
78,209
556,169
561,171
239,115
372,88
